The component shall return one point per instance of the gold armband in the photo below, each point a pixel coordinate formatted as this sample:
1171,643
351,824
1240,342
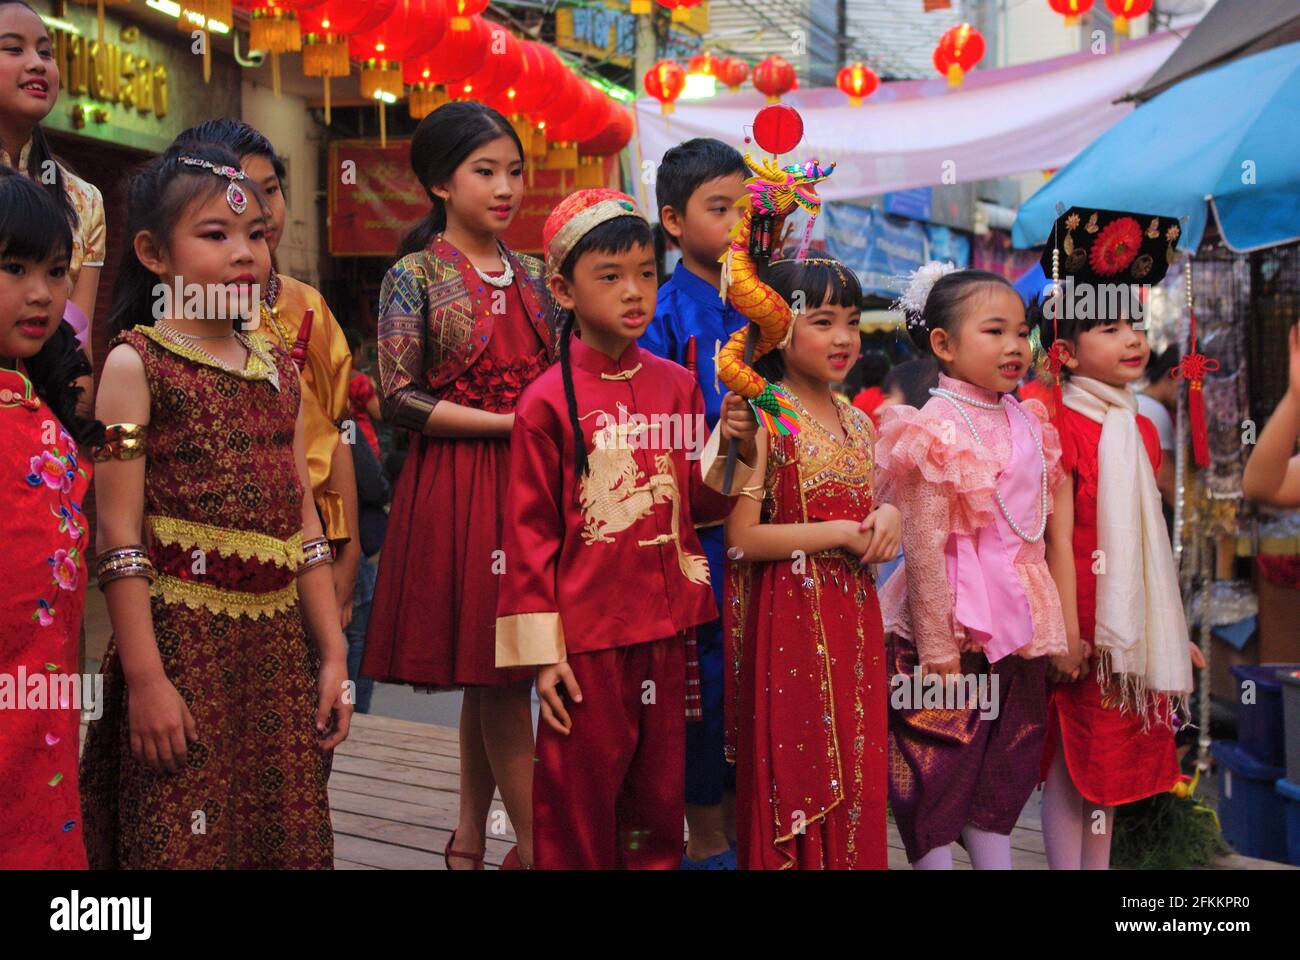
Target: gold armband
315,552
756,493
124,562
122,441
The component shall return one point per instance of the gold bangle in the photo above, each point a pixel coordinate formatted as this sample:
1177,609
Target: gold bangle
122,441
750,492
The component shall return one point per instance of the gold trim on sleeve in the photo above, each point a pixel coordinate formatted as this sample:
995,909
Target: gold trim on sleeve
530,639
713,466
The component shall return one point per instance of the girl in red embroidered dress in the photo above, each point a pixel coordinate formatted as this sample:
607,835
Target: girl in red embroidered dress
219,716
808,688
44,535
462,330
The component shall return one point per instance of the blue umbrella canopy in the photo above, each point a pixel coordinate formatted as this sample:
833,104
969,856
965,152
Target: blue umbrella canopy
1224,143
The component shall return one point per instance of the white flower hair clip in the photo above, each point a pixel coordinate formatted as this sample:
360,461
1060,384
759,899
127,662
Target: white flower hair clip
922,281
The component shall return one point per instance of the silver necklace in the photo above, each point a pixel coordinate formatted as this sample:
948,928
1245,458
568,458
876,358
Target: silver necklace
200,336
503,281
956,399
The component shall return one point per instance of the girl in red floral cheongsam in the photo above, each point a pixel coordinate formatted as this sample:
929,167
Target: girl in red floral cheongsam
44,534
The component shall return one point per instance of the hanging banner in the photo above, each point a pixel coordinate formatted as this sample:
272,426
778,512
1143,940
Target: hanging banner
992,251
607,31
881,249
374,199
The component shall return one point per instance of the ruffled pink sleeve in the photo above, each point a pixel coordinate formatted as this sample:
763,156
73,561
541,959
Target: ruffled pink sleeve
940,483
1051,445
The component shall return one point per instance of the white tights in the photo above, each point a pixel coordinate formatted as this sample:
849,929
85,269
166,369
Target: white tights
1076,832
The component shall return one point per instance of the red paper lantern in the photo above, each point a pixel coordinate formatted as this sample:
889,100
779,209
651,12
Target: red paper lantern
1126,10
345,17
778,128
732,72
538,83
616,135
412,30
584,116
704,63
463,11
681,8
959,49
774,76
1072,10
501,67
857,81
665,82
455,57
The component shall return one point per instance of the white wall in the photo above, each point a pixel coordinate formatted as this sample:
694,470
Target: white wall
299,140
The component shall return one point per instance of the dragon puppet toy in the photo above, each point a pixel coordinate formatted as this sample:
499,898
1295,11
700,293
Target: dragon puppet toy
774,193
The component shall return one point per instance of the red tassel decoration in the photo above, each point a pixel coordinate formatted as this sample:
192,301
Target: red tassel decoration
1193,369
299,351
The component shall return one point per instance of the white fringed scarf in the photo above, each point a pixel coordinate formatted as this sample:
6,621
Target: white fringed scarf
1141,633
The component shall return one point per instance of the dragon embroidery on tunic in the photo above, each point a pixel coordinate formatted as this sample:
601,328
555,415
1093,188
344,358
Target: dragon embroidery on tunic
615,492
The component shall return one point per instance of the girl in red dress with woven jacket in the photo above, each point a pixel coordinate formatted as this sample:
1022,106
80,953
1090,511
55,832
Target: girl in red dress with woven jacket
463,328
44,478
1110,736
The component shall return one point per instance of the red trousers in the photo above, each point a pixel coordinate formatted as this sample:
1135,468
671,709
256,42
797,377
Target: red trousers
611,795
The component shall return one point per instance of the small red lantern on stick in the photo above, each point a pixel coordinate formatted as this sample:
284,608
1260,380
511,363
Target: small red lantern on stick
681,8
857,81
1126,10
959,49
774,76
665,81
1072,10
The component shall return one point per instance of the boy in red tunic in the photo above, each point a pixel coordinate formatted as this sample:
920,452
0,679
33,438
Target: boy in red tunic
1110,731
604,575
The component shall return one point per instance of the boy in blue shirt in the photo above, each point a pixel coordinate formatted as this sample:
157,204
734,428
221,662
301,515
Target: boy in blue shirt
696,188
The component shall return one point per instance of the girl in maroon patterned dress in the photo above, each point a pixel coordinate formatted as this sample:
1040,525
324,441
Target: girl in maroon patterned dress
220,715
462,331
44,536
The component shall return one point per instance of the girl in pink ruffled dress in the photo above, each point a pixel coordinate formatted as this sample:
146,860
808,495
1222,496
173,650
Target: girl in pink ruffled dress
973,616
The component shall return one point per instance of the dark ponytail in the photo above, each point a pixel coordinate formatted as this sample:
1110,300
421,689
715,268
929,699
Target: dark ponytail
33,229
943,304
157,196
442,142
571,398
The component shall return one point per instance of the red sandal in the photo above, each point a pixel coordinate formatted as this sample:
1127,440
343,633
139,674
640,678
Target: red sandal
511,861
448,853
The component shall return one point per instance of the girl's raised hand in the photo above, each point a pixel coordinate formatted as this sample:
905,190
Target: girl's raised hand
737,422
885,525
160,724
1198,658
331,683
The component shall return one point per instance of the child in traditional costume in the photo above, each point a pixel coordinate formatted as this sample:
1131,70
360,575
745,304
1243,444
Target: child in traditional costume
697,185
45,534
1110,733
219,715
298,314
809,698
604,574
463,329
974,606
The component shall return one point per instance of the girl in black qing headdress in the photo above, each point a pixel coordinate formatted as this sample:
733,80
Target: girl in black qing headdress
44,534
462,330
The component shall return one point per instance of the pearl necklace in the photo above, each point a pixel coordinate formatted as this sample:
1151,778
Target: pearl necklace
503,281
953,398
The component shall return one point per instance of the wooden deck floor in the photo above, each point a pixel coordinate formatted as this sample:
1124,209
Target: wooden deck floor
394,793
